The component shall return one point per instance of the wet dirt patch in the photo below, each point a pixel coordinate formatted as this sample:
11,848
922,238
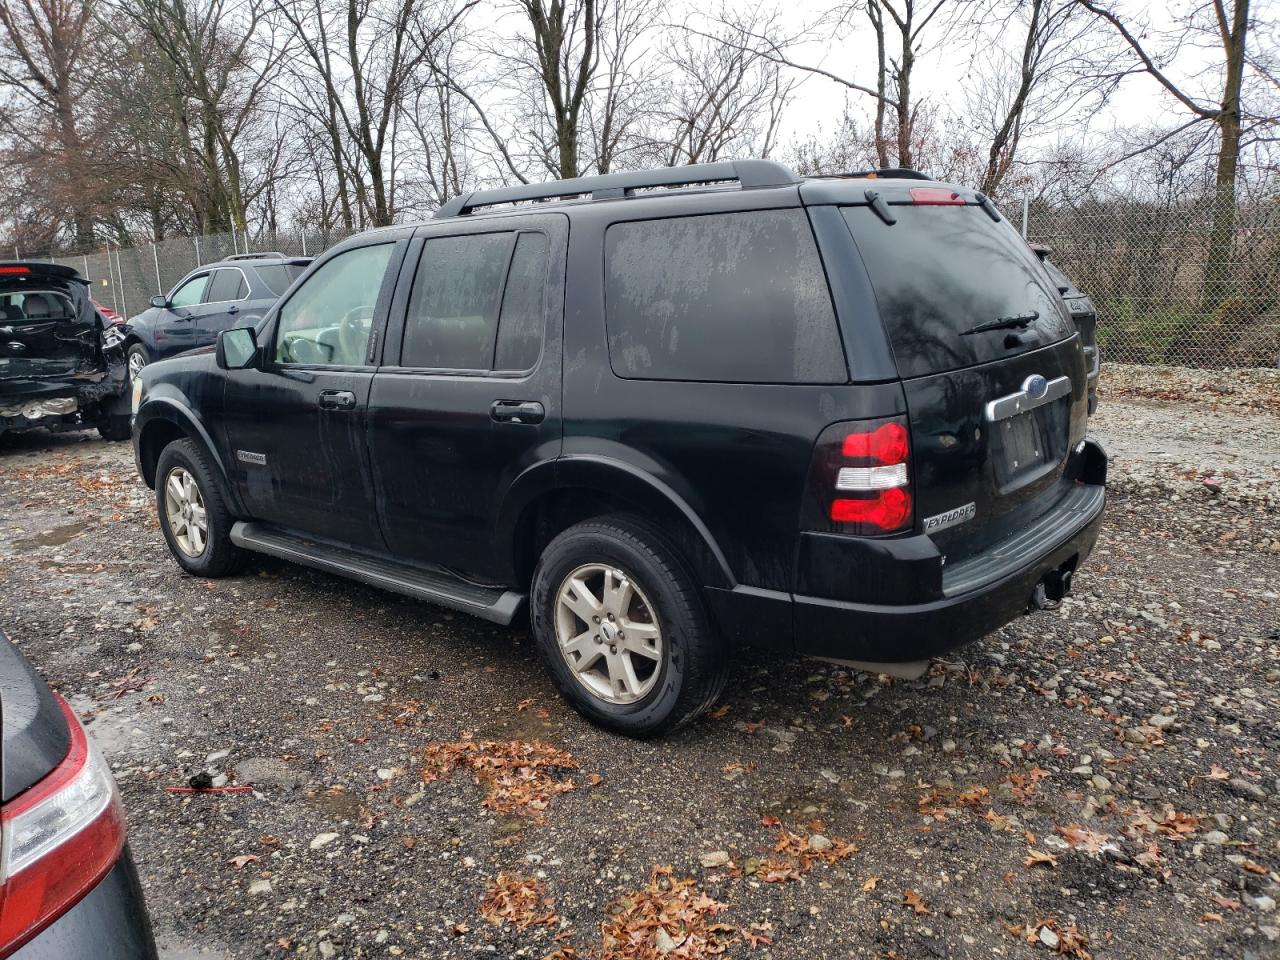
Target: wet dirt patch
54,536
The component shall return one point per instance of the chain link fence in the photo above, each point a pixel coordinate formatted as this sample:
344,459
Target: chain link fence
1146,268
1143,265
126,278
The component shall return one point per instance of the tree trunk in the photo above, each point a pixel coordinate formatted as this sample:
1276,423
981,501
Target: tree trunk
1217,271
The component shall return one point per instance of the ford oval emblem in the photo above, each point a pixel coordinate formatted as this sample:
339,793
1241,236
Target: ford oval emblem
1035,387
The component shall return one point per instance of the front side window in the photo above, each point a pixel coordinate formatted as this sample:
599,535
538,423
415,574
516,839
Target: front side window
453,311
328,318
190,293
734,298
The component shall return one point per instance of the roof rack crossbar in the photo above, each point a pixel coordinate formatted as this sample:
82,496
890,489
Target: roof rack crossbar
260,255
750,174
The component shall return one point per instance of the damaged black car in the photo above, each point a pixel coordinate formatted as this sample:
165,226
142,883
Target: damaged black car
62,363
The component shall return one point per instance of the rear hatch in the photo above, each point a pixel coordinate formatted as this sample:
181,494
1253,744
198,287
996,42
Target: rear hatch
48,328
991,366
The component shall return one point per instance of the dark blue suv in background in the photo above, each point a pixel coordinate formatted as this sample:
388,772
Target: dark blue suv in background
234,292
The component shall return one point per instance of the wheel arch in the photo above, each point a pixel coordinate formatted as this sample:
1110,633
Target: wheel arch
161,421
552,497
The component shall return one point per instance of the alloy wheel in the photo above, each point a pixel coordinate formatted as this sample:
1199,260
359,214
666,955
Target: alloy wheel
608,634
185,511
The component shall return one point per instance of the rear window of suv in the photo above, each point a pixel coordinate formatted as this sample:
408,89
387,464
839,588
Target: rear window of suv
735,298
942,270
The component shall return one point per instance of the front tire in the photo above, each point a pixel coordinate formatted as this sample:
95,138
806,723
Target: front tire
619,621
138,357
193,512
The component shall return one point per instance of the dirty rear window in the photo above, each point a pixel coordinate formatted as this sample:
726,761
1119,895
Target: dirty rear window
735,297
942,270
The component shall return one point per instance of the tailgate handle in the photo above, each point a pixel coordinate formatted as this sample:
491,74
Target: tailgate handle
1036,392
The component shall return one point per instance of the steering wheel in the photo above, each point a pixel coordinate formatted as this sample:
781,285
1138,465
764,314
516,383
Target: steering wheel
353,333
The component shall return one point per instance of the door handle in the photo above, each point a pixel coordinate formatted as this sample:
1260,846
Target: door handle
517,411
233,309
337,400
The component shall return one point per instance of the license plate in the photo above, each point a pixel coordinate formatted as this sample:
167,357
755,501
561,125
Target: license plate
1024,446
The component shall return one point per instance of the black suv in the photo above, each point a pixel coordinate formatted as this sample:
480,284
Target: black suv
671,411
235,292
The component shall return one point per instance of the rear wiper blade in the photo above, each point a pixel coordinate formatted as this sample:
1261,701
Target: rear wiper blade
1005,323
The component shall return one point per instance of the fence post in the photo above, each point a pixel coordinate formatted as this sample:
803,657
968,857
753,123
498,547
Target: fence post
124,304
155,255
1026,210
197,242
304,243
235,247
111,279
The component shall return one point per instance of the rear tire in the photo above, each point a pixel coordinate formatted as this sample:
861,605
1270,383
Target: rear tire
193,512
626,570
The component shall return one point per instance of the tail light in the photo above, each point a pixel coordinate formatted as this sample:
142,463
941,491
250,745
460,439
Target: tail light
11,270
860,480
60,838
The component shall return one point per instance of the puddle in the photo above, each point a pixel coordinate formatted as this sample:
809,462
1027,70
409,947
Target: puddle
115,733
54,537
524,725
80,567
338,806
173,949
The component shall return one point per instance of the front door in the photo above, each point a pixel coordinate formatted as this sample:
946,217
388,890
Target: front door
469,392
176,327
295,429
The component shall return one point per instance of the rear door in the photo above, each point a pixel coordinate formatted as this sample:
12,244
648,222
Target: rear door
992,369
223,300
468,396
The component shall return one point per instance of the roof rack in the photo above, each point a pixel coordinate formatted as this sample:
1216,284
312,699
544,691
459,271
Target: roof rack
260,255
750,174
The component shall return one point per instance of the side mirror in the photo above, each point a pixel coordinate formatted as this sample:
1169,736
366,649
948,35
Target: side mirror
237,349
160,300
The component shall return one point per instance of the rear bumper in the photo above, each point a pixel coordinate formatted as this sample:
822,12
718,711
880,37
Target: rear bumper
110,923
966,603
904,633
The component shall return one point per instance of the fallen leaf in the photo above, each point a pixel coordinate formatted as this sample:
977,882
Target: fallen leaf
870,883
912,899
244,858
720,712
1038,858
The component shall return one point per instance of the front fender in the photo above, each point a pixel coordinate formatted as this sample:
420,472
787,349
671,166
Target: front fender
170,409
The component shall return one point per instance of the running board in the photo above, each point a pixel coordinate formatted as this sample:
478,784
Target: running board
423,583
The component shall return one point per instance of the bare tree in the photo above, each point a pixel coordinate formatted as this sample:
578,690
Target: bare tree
724,96
365,54
223,56
1031,82
45,60
1226,25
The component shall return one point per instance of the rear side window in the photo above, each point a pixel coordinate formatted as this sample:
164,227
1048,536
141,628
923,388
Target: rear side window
453,311
735,297
523,316
226,285
942,270
278,277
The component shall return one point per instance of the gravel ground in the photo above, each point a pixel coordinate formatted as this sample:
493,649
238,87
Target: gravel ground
1100,780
